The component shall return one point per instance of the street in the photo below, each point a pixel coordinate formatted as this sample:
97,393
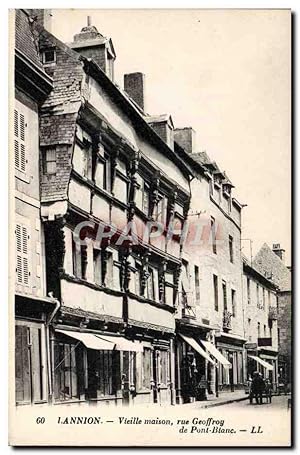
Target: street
278,402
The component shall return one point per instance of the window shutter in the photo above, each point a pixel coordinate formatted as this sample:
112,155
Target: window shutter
20,141
22,260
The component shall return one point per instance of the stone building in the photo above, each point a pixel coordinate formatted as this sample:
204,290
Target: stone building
271,263
261,328
210,298
32,307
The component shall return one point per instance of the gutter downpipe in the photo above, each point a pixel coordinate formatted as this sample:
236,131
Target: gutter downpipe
50,351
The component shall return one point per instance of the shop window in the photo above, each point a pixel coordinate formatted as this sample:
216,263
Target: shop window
30,363
103,373
68,371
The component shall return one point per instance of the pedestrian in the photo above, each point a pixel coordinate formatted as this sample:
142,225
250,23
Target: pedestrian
268,390
257,388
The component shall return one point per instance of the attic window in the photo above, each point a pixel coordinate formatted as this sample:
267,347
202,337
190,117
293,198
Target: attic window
49,56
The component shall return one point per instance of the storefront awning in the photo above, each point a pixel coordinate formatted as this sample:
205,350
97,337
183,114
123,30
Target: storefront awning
193,343
265,364
216,354
122,344
90,340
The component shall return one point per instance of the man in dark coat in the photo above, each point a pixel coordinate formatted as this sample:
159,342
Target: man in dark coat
257,388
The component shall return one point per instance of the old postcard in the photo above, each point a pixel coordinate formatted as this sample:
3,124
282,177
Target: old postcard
150,275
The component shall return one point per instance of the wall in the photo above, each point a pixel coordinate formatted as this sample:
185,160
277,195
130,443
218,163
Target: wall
27,204
198,251
259,314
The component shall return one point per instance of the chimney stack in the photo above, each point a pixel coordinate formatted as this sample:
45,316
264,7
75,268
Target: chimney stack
134,86
280,252
42,17
186,138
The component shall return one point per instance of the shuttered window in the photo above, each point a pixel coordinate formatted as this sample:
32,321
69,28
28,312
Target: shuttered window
22,259
20,141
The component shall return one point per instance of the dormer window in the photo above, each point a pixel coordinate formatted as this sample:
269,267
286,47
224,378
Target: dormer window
49,56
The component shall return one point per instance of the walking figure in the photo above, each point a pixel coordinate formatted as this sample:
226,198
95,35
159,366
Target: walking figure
257,388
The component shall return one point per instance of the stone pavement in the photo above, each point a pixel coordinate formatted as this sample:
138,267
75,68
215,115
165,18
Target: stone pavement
224,398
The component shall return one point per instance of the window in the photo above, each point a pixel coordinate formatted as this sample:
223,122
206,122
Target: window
150,291
197,284
108,269
169,288
216,294
233,301
20,141
257,295
249,329
160,210
30,364
22,254
248,291
269,299
224,289
231,248
103,373
264,299
49,56
213,234
265,330
50,161
138,278
68,371
97,267
258,330
142,198
84,261
146,368
163,367
82,159
107,173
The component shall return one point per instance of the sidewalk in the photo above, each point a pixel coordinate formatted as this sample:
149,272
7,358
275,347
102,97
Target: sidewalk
224,398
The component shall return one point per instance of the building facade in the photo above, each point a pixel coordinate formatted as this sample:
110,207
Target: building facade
271,263
210,304
261,325
32,306
107,171
130,284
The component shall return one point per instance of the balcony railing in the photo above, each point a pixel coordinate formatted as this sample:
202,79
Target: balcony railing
273,314
227,320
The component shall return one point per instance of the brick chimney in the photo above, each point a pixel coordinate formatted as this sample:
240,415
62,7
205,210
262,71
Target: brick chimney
164,127
134,86
280,252
42,16
91,44
186,138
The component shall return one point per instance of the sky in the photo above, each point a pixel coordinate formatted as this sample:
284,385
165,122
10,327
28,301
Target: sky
227,74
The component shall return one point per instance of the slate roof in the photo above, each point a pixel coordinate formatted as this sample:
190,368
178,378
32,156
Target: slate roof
270,265
24,38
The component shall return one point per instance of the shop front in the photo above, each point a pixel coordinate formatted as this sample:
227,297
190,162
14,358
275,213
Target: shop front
232,376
